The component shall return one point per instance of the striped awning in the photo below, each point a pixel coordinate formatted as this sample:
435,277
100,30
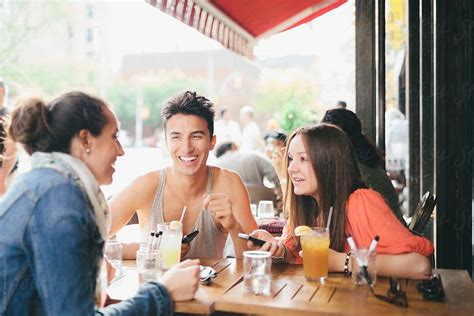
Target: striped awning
239,24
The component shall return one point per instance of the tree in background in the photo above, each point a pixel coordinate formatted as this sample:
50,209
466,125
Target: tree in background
295,116
292,103
20,23
31,59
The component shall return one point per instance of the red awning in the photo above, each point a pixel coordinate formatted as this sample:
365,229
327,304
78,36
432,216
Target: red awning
239,24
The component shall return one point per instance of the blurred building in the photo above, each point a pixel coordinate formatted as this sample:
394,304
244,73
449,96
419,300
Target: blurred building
230,79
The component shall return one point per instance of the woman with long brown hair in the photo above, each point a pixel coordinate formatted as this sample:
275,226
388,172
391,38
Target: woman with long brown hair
323,173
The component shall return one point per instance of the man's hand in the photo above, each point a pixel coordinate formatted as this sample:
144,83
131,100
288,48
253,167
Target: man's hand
110,271
184,249
221,207
182,281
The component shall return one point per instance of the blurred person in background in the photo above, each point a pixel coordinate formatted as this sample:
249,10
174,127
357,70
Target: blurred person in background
3,98
274,150
55,220
369,158
274,141
8,150
251,167
227,130
341,105
396,138
251,135
8,157
396,144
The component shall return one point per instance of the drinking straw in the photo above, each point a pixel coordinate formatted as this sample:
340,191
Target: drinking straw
182,214
351,242
152,244
329,217
374,243
158,237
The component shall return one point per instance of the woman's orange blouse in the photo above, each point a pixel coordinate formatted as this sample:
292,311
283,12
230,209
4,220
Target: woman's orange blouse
369,215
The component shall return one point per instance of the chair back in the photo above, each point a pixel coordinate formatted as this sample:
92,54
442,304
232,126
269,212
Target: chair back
258,193
423,213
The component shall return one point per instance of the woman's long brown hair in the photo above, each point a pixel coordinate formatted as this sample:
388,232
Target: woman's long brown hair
337,176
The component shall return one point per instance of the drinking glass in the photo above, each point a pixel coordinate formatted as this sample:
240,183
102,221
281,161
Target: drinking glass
363,267
265,209
113,253
253,209
160,228
147,264
315,254
170,247
257,272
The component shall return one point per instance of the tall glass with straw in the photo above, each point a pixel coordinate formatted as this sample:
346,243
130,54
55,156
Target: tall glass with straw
171,243
315,248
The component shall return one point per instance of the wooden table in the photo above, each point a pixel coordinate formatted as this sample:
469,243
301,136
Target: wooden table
292,295
229,273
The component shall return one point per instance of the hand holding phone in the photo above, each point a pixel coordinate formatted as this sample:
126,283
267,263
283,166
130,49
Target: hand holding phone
255,241
189,237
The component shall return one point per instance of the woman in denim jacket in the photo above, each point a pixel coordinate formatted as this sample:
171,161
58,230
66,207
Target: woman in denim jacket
54,219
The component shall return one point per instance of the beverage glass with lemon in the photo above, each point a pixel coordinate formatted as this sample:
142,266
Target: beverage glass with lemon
315,246
171,245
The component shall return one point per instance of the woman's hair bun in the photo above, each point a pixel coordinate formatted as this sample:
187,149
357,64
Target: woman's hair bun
29,125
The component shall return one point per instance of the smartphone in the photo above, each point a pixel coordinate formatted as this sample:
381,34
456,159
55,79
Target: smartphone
189,237
255,241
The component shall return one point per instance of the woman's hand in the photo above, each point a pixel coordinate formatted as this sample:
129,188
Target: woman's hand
271,243
260,234
221,207
277,159
276,248
182,281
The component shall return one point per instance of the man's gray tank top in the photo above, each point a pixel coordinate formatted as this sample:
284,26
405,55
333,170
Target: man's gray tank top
210,241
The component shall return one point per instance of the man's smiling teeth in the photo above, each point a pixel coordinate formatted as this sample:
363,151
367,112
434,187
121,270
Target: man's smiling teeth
187,158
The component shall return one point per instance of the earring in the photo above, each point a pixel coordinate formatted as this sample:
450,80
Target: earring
88,150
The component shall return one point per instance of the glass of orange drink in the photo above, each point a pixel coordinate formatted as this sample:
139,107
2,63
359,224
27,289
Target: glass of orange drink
315,246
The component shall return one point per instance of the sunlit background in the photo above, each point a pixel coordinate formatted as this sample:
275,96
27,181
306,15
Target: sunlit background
136,57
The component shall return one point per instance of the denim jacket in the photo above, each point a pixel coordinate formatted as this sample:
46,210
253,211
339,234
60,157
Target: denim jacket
49,248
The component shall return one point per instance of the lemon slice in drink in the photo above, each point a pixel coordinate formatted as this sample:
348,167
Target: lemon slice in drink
303,230
175,225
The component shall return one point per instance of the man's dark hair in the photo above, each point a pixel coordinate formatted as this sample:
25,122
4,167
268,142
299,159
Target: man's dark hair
223,148
189,103
341,104
365,150
275,135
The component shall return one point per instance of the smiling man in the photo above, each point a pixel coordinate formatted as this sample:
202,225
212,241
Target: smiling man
216,199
